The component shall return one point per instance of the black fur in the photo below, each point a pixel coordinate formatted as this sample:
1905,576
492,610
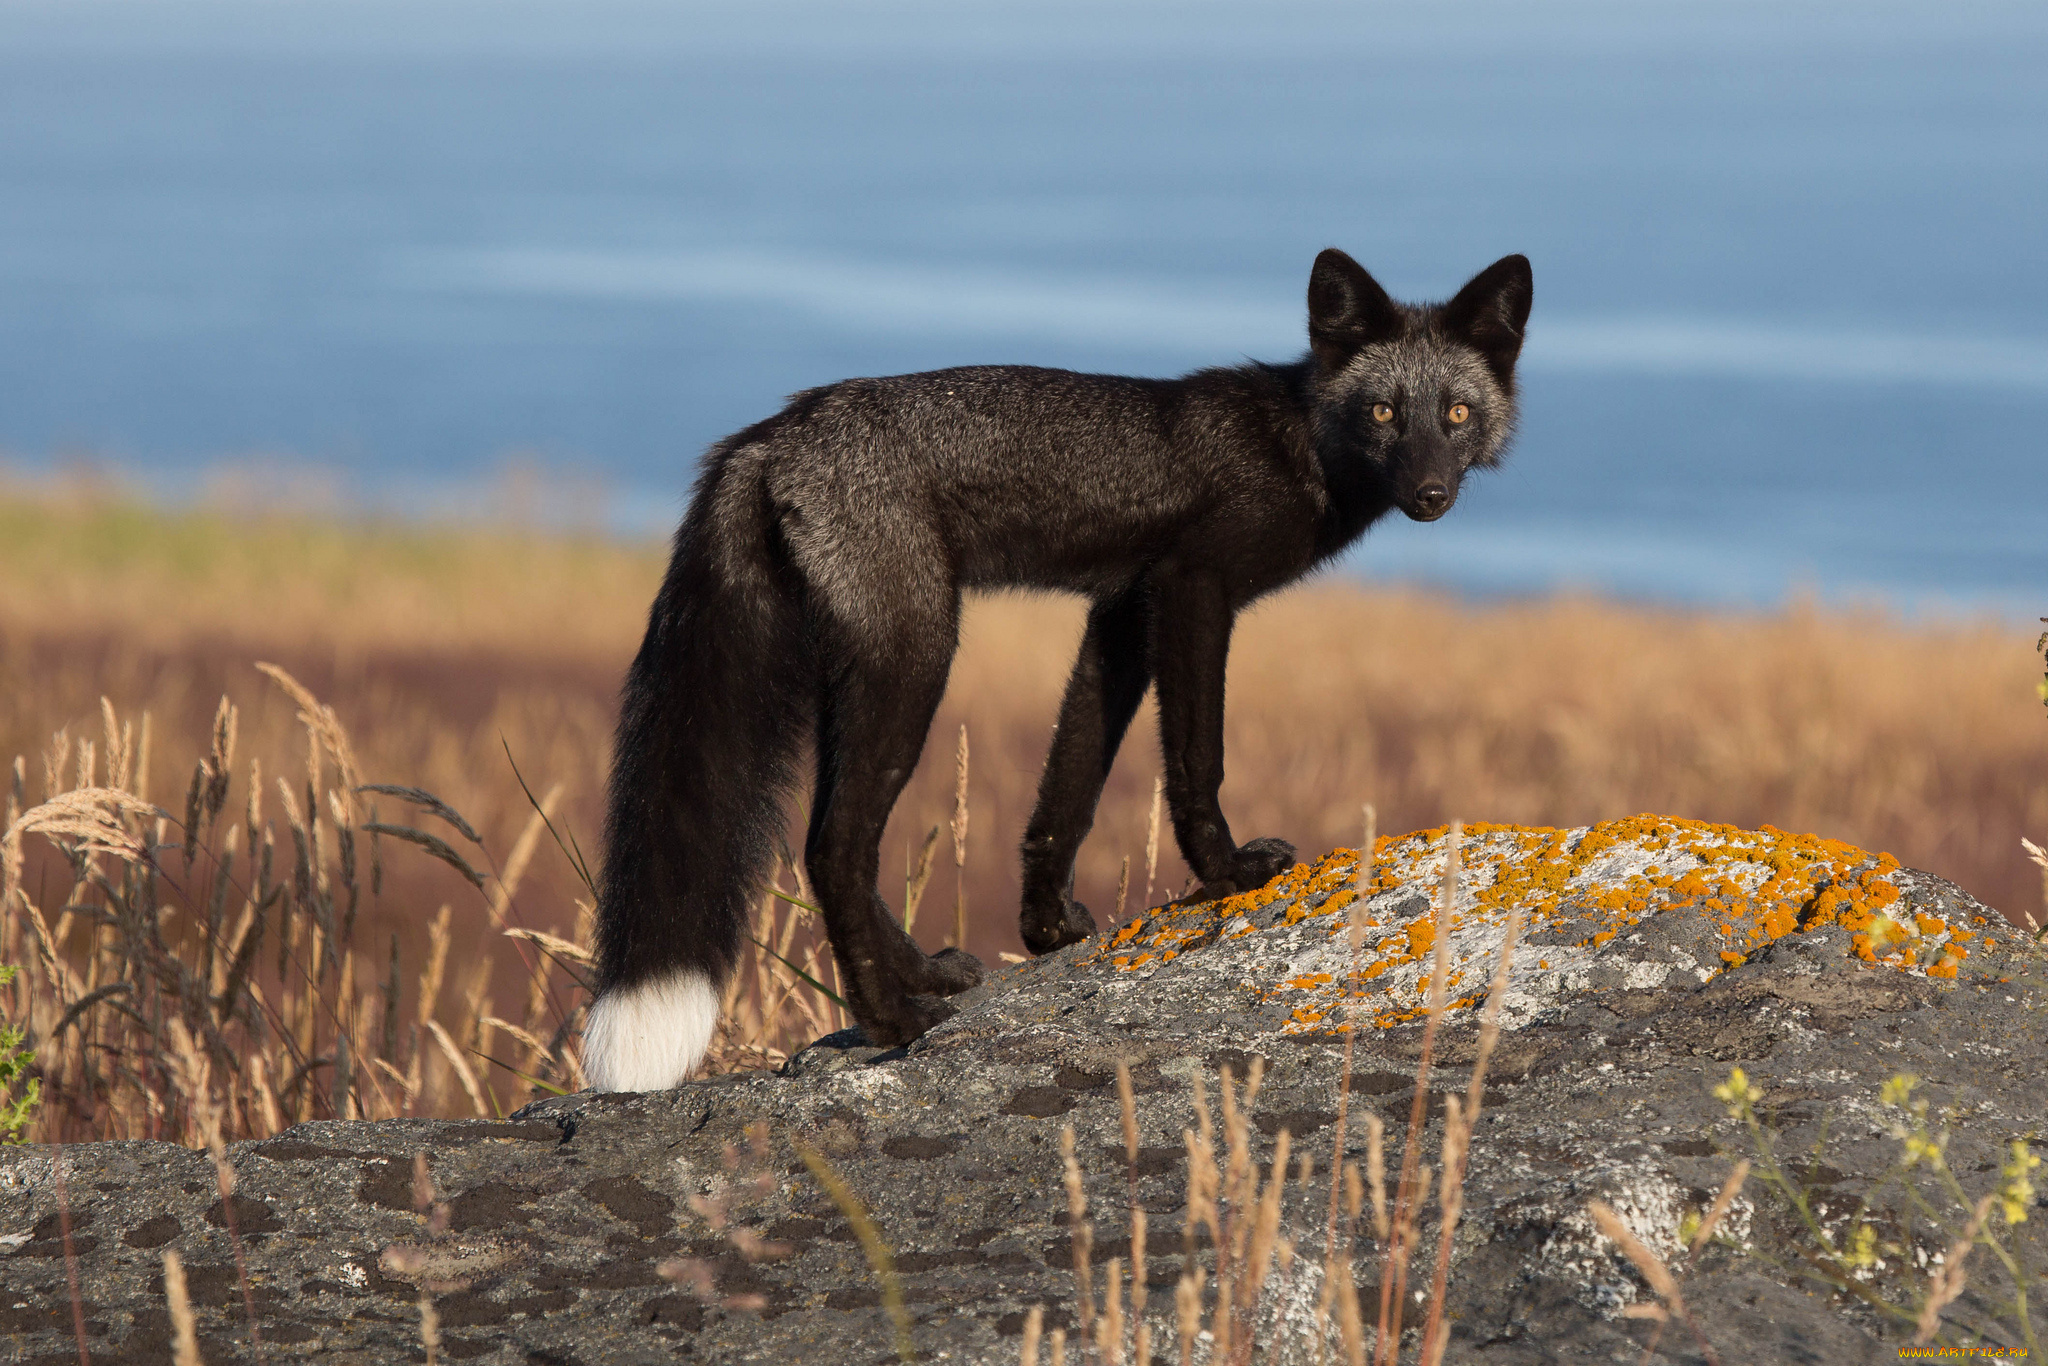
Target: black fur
816,581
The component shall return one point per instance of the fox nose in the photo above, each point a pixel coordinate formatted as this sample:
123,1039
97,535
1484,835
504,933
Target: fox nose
1431,502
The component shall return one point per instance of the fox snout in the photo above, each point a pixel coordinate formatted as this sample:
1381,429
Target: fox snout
1427,495
1429,501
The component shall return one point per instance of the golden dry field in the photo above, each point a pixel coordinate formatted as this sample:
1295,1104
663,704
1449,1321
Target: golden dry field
436,651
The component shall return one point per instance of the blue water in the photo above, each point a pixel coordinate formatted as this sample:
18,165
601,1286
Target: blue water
1791,329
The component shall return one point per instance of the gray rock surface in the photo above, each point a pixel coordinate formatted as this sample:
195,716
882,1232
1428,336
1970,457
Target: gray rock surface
1634,994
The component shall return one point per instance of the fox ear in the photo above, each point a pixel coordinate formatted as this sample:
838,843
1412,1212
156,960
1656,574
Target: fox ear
1491,311
1346,309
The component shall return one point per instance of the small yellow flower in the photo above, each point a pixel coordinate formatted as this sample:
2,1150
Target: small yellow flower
2017,1190
1921,1148
1737,1093
1898,1089
1862,1251
1884,930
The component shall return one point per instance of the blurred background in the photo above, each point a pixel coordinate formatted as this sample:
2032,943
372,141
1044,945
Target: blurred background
1789,331
380,340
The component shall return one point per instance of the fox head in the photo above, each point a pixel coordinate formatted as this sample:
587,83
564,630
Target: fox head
1419,394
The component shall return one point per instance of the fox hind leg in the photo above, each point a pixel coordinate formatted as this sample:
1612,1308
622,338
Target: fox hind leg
876,706
1111,673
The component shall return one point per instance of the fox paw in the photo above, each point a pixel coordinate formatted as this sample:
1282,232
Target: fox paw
951,971
1259,862
903,1019
1070,925
1253,866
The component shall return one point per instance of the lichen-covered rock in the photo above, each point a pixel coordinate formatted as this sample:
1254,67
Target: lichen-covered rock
1623,905
1657,955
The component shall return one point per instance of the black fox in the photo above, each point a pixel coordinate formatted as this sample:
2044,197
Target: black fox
815,585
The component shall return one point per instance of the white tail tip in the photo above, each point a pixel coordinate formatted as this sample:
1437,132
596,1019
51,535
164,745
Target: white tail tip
650,1036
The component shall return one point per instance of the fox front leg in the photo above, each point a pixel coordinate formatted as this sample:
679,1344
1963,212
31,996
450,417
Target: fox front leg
1191,625
1109,680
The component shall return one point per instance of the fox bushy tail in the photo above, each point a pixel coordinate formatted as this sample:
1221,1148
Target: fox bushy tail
711,721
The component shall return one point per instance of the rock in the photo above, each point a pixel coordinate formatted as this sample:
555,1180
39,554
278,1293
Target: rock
1657,955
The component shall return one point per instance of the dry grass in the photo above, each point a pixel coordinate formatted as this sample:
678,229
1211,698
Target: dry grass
77,558
438,649
1242,1261
196,975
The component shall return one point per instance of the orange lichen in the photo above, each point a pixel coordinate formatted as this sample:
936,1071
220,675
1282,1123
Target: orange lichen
1750,888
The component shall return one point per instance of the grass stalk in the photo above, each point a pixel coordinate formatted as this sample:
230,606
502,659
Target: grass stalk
960,841
880,1259
184,1334
1355,927
1152,836
1407,1195
1082,1238
1459,1123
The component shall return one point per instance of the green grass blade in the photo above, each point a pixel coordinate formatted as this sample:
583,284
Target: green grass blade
531,1081
797,902
816,985
576,860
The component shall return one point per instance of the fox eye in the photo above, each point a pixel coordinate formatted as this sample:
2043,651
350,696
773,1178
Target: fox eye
1383,412
1458,413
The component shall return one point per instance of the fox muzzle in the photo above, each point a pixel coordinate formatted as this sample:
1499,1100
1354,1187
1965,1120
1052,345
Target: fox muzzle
1429,502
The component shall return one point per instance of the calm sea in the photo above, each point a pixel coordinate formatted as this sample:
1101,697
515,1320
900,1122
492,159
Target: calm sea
1791,330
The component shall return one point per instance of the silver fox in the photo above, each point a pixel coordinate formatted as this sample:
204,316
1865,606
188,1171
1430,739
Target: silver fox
815,589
